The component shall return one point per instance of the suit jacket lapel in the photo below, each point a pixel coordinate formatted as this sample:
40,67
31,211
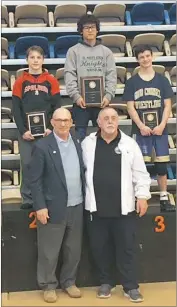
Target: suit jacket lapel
56,157
79,151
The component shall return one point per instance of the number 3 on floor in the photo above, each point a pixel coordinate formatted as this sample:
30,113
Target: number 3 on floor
160,223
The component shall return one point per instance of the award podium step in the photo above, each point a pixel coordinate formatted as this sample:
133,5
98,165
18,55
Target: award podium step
156,246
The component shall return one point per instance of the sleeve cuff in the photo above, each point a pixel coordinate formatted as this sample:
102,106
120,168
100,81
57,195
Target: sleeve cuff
76,97
143,197
108,96
22,131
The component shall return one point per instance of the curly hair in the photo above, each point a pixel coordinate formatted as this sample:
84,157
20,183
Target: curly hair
87,19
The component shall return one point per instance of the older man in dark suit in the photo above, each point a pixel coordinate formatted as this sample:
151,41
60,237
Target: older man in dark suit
57,185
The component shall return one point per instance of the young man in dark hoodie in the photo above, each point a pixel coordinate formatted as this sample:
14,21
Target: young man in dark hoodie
34,91
89,58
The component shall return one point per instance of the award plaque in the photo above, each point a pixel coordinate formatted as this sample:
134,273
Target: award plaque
150,119
92,91
36,123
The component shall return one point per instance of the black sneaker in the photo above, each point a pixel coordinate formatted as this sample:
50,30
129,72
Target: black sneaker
105,291
134,295
165,206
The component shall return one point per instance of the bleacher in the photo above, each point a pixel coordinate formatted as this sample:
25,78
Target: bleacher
53,27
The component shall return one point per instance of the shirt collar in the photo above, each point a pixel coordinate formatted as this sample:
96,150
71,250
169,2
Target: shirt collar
60,140
118,137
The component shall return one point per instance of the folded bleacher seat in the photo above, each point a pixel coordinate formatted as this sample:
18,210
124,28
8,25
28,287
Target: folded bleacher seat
156,41
20,71
173,76
11,196
6,146
23,43
16,74
171,142
4,17
60,77
110,14
7,19
6,115
174,139
172,14
174,109
121,108
171,171
15,148
9,147
31,15
158,68
68,106
67,15
147,13
9,177
6,177
4,48
63,43
117,44
121,76
5,80
173,44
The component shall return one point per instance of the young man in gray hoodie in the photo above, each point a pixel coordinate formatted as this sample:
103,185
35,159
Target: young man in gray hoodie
89,58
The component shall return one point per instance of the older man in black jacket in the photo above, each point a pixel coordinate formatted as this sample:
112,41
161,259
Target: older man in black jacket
57,185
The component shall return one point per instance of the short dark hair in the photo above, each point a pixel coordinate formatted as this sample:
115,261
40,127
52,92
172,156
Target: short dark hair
142,48
35,48
86,19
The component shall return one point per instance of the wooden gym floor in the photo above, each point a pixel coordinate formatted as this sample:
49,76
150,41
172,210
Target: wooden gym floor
155,294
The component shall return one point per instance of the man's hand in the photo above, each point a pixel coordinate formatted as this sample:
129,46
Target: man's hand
105,102
42,215
47,132
158,130
28,136
145,130
141,206
81,103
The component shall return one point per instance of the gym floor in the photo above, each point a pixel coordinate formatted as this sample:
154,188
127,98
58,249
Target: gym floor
155,294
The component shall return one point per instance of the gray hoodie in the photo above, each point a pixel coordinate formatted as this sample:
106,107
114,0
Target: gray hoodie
83,60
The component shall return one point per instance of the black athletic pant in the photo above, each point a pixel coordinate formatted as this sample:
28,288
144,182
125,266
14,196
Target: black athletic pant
120,233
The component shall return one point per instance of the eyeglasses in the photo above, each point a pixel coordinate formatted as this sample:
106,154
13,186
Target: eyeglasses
87,28
60,121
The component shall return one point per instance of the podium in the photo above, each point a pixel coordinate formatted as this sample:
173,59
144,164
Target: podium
156,250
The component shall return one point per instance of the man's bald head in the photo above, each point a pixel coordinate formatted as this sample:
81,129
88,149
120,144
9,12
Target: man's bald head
61,112
62,122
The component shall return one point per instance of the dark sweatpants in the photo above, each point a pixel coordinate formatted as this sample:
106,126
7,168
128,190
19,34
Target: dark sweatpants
25,158
120,232
81,118
26,148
